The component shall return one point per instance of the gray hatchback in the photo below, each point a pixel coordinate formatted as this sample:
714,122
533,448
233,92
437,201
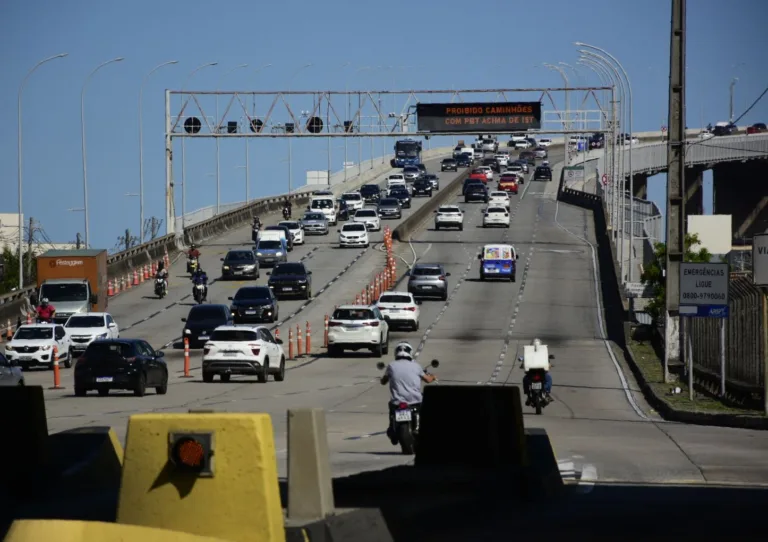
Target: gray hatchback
428,280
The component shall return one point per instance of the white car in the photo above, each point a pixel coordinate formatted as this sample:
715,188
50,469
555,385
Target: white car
393,182
243,350
633,139
297,232
32,346
523,144
705,135
502,159
354,200
84,328
488,172
369,217
357,327
496,216
514,168
498,198
545,142
449,216
353,234
401,308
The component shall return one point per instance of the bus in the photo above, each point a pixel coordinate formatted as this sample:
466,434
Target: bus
407,153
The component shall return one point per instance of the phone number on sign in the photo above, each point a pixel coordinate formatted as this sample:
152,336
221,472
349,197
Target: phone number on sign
704,296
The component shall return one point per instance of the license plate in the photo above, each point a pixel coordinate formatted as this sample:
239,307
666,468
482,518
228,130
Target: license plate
269,259
402,415
230,354
250,312
238,272
393,310
427,287
494,270
536,385
104,379
287,289
202,338
25,358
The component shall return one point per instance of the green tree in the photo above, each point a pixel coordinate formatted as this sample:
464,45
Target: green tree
10,276
653,274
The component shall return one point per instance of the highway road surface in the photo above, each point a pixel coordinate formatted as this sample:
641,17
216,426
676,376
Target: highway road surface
601,428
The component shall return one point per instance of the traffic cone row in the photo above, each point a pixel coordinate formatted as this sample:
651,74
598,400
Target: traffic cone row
298,345
136,277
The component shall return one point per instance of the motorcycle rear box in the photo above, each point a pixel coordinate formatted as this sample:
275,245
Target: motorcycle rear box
535,359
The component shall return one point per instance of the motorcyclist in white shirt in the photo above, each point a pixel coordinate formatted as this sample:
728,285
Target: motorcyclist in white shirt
404,377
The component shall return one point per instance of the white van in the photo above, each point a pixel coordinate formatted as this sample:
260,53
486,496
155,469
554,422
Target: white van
325,205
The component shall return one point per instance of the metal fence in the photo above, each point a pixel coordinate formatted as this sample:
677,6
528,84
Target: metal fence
745,345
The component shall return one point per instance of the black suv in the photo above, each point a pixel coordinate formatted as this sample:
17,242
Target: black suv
422,187
402,194
240,263
476,192
542,173
288,234
254,304
423,169
371,193
290,279
465,160
449,164
202,320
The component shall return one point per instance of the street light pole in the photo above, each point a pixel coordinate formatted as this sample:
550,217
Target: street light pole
730,109
346,118
218,139
290,153
82,127
631,144
567,85
578,80
183,153
21,164
247,153
141,148
606,141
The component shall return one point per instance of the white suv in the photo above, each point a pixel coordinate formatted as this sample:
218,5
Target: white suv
353,234
498,198
545,142
32,345
354,200
84,328
401,308
496,216
449,216
357,327
369,217
502,159
294,227
243,350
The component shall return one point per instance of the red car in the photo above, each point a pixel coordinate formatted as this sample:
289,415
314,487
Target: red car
479,176
757,128
508,184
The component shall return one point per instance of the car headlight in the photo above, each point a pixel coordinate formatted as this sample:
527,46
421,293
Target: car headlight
102,336
249,267
187,332
8,348
45,347
278,253
259,254
225,267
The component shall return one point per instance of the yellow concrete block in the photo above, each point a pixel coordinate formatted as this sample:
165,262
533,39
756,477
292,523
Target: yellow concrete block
56,530
240,502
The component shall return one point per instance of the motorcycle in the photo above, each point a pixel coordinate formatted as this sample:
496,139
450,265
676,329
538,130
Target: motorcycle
192,265
255,232
160,290
198,292
536,396
286,213
404,419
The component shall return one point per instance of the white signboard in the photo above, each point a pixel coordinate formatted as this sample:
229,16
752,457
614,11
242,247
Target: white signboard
573,173
760,259
704,289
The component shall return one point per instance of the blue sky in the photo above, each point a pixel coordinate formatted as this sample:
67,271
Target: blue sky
451,43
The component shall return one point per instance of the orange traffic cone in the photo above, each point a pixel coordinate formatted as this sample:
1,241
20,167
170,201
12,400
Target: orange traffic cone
135,278
110,289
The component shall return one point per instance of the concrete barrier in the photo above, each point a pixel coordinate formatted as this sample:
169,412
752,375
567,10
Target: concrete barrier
37,530
87,459
364,524
237,499
310,491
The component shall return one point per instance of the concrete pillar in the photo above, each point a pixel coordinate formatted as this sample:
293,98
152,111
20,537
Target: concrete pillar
310,488
641,186
694,191
741,190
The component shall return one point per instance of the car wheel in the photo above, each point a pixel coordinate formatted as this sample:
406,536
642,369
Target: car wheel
225,377
141,386
207,376
416,326
514,277
385,349
264,373
461,228
103,392
68,360
377,351
444,297
437,227
280,374
163,388
334,351
80,391
309,294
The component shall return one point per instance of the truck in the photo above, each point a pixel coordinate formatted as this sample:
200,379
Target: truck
73,281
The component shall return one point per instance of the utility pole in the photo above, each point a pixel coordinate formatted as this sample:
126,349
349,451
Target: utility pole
675,186
30,239
78,241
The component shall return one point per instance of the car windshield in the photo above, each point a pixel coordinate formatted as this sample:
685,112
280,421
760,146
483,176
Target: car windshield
448,210
314,216
426,271
398,190
203,312
86,321
64,292
353,227
410,170
239,256
261,292
365,213
269,245
392,298
289,269
275,228
291,225
353,314
33,333
369,189
448,161
350,197
389,202
234,335
499,195
322,204
496,210
108,349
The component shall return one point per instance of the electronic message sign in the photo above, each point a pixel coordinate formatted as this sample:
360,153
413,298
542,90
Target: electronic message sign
479,117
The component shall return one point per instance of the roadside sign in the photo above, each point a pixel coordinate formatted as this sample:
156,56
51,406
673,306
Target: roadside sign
760,259
574,173
663,128
605,179
704,290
